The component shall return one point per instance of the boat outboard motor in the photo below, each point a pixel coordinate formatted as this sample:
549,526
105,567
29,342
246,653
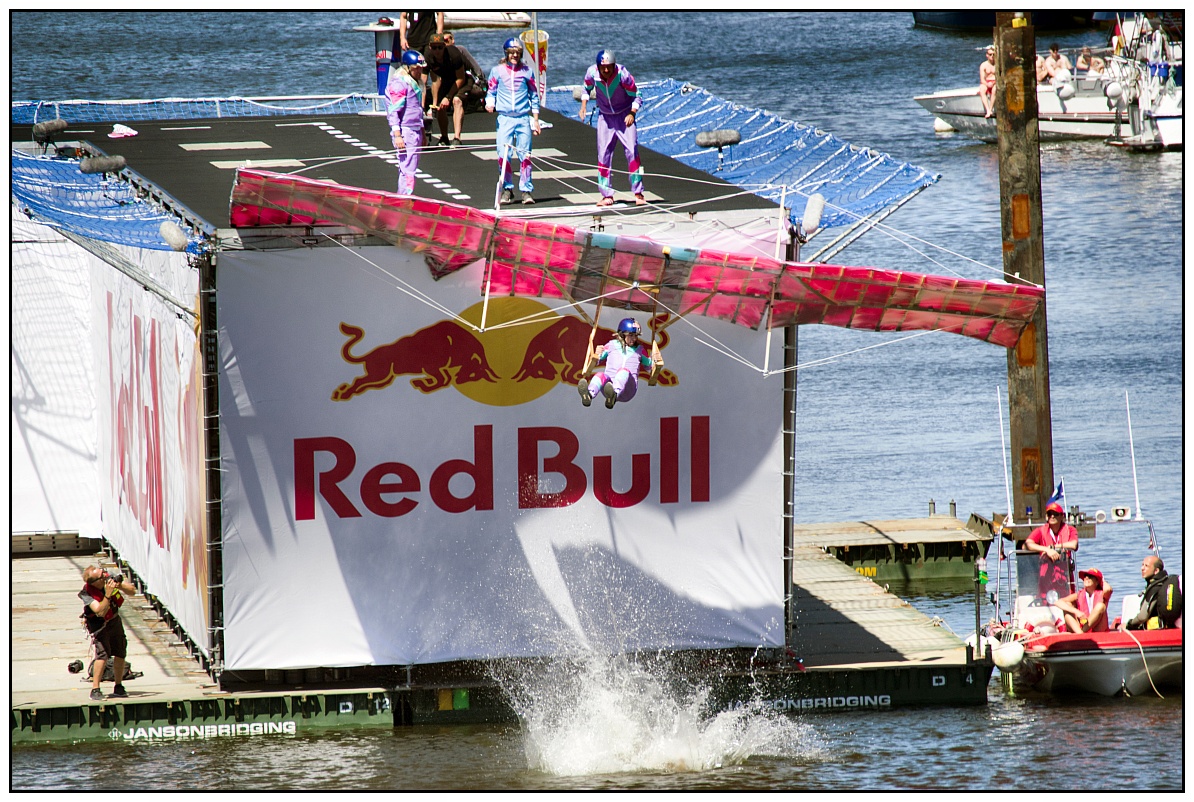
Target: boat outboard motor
720,138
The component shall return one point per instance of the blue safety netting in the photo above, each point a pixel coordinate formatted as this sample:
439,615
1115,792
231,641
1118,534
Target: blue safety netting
53,191
773,153
26,112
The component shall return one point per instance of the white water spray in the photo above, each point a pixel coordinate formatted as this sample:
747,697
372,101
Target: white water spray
604,714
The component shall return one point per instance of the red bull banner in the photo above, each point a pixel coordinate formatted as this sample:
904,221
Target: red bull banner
403,485
149,410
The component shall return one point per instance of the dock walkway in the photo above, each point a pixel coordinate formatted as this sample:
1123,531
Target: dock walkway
843,620
47,635
173,699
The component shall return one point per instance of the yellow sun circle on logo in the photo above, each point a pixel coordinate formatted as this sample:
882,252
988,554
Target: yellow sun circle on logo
506,350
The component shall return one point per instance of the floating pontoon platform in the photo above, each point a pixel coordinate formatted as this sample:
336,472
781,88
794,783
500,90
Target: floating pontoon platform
855,646
903,550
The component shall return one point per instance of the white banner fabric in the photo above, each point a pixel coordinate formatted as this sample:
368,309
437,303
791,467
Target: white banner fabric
401,489
54,485
150,404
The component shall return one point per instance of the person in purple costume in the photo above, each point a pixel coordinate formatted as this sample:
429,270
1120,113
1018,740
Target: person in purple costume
514,96
404,112
618,103
623,355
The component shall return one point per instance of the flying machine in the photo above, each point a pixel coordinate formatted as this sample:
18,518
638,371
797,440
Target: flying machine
552,260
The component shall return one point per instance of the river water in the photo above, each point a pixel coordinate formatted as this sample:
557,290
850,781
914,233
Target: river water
880,431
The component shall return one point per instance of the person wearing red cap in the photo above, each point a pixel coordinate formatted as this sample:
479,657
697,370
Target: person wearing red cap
1051,541
1086,610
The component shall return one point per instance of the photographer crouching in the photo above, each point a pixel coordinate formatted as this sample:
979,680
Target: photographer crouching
102,595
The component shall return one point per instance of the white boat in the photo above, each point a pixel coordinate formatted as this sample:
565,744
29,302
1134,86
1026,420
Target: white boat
1036,654
1154,98
465,20
1088,112
1104,663
1135,102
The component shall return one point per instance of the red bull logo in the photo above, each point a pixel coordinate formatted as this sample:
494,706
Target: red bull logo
439,356
502,366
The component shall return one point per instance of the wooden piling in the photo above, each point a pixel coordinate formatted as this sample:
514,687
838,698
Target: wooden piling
1024,260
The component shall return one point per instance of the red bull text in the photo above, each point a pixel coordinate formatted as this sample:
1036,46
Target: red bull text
394,489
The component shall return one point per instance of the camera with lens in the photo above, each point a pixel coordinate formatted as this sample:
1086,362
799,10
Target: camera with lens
117,578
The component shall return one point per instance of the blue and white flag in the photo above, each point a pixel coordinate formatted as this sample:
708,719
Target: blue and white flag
1059,496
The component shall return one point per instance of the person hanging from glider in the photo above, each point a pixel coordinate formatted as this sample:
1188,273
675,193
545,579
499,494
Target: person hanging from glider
623,355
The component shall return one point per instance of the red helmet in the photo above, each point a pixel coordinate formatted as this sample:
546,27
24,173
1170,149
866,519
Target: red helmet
1056,507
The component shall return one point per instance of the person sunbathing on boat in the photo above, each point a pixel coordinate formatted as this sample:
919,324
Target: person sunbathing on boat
1090,64
1042,72
1057,65
1086,610
1053,541
986,82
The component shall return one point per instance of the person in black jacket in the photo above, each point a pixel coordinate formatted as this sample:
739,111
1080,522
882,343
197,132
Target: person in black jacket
449,85
1162,597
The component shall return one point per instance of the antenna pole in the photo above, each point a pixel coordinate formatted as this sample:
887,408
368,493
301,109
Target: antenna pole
1132,451
1007,489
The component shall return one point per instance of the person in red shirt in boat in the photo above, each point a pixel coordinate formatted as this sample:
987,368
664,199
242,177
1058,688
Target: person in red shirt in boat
1051,540
1086,610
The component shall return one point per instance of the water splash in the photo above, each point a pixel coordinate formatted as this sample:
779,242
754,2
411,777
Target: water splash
603,714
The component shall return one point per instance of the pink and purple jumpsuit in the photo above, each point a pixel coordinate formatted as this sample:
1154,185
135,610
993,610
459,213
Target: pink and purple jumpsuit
615,100
404,111
513,94
622,364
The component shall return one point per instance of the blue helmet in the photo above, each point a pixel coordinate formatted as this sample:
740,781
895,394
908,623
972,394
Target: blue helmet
413,58
605,57
629,326
512,43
